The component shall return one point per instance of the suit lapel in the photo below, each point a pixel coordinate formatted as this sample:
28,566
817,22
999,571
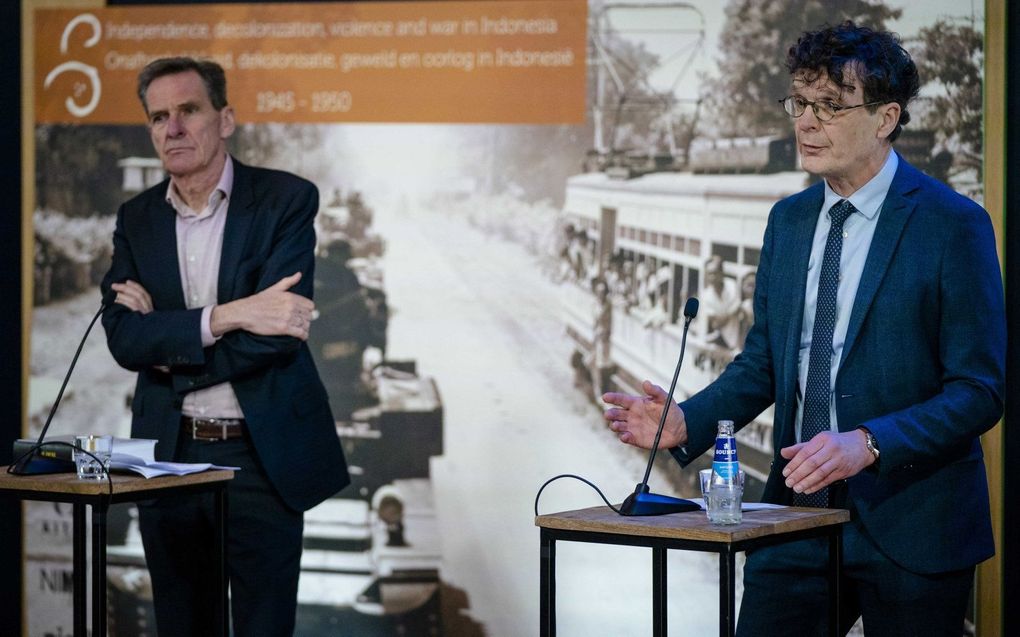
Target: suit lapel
240,214
166,278
898,206
797,247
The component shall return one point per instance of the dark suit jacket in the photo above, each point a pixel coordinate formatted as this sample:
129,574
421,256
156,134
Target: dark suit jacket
922,367
269,234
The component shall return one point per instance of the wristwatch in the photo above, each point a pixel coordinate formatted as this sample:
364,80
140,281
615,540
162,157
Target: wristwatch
871,442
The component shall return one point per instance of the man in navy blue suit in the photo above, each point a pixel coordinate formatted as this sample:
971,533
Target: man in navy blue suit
212,271
879,336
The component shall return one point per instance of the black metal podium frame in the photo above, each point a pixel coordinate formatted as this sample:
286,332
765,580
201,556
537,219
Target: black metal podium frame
726,547
126,488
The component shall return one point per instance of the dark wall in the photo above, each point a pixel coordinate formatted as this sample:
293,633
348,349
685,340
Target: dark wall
10,311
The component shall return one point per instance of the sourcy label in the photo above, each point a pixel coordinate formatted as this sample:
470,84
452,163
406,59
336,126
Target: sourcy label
725,462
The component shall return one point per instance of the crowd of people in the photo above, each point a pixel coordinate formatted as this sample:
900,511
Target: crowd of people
641,287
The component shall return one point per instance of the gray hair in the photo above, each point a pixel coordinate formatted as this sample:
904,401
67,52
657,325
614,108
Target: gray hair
212,75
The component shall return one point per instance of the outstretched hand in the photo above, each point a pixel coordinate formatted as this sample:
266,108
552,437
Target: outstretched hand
635,419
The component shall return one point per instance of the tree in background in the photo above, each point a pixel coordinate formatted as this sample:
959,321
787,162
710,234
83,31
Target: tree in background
78,188
752,69
631,106
950,58
76,171
638,113
295,148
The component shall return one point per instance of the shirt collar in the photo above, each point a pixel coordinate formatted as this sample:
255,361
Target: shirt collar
868,199
221,192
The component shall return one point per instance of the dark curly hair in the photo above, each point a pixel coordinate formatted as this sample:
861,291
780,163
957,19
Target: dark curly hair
212,75
877,59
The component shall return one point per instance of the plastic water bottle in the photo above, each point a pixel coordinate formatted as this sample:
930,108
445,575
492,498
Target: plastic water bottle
726,490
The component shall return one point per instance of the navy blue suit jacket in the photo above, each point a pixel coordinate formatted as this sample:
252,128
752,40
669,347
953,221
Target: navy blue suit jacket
922,367
269,234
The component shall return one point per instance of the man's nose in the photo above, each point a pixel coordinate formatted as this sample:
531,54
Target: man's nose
808,120
174,126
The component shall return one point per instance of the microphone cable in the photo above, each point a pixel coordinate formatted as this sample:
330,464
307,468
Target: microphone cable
576,477
17,466
690,311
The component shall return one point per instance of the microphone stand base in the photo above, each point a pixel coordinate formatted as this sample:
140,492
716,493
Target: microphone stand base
34,465
638,504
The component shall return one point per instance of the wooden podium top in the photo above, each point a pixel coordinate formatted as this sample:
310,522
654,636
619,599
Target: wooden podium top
694,525
68,483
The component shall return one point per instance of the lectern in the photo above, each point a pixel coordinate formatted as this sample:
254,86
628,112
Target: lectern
65,487
689,531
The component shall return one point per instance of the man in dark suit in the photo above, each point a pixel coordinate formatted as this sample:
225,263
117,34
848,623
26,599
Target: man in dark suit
879,336
213,273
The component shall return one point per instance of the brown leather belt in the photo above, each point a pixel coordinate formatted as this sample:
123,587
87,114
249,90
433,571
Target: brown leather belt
212,428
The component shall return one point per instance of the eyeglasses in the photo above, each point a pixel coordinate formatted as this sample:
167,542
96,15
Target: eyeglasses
824,110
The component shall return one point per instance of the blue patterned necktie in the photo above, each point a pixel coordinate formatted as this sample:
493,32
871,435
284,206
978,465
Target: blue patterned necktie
819,386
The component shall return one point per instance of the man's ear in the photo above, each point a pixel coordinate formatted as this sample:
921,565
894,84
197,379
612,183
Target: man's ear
227,123
890,119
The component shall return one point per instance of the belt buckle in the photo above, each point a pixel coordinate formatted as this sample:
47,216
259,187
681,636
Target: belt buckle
203,428
195,422
223,428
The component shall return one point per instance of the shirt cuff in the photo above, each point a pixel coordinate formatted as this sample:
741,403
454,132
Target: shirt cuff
208,339
681,454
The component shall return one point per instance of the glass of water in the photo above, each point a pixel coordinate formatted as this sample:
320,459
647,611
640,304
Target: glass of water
723,501
89,467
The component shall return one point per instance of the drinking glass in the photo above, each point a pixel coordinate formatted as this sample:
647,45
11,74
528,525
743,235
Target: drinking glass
89,467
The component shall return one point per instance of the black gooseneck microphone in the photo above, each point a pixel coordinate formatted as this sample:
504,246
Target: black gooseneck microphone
32,462
642,502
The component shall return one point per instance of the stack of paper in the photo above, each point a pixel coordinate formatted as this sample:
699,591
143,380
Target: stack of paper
151,469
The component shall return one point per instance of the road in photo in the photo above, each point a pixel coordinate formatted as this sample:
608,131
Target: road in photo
480,317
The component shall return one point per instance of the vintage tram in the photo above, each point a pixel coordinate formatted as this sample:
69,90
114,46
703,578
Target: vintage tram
643,246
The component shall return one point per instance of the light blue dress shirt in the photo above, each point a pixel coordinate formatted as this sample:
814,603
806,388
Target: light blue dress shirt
858,231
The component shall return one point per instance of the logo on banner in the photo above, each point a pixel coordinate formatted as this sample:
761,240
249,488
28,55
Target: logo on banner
74,66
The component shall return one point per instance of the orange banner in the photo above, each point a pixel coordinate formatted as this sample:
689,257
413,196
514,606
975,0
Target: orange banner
474,62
